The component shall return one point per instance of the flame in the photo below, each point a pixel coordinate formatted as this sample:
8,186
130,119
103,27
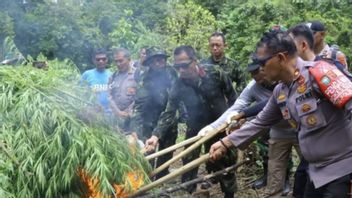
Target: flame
133,181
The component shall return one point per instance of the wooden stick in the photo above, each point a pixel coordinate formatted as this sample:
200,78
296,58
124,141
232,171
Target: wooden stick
197,180
172,148
166,178
210,135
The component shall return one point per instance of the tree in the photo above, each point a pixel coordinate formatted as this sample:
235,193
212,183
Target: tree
245,23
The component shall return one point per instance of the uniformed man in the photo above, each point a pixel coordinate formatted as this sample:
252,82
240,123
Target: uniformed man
321,48
217,46
304,40
206,93
155,80
122,89
315,98
282,137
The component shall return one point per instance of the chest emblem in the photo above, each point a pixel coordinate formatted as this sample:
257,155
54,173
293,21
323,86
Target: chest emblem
311,120
302,88
306,108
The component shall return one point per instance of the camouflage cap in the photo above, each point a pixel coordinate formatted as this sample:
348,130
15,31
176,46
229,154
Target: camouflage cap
153,52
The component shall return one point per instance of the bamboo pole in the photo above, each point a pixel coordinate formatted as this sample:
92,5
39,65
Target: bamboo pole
197,180
166,178
172,148
210,135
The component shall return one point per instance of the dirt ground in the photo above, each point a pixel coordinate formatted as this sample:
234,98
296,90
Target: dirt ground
246,175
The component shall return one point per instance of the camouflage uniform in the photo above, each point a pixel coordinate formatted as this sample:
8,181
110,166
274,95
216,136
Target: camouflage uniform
232,68
122,91
205,100
150,102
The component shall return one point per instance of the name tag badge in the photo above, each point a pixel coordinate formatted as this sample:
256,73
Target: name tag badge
281,97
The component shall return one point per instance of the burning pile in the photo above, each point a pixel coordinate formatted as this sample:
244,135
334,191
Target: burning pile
47,150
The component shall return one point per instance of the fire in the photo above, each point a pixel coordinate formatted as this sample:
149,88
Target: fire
133,181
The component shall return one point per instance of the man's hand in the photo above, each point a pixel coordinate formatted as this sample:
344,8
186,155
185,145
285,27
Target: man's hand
151,143
218,149
204,131
234,116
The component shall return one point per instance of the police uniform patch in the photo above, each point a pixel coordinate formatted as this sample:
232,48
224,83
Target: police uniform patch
325,80
306,108
281,97
301,80
302,88
311,120
285,113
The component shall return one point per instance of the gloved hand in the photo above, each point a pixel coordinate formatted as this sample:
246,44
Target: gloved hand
204,131
234,116
230,116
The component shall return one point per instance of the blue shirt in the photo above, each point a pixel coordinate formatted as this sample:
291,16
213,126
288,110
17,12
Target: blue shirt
98,82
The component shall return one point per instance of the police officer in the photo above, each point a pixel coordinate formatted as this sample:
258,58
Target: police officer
122,89
304,41
206,93
282,136
315,98
155,80
321,48
217,46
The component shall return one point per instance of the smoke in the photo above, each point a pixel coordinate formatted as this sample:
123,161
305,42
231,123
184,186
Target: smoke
72,29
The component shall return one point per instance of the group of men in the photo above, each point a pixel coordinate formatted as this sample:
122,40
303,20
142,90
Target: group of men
149,98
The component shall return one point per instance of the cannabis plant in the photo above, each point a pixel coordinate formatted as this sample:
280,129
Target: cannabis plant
46,138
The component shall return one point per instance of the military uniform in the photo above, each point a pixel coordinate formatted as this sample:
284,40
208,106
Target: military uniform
324,131
232,68
151,100
205,100
122,91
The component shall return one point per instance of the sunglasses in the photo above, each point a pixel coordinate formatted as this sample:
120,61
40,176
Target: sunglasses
101,59
183,65
262,61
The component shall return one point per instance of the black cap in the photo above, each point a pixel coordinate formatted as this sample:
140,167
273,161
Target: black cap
252,67
316,26
153,52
